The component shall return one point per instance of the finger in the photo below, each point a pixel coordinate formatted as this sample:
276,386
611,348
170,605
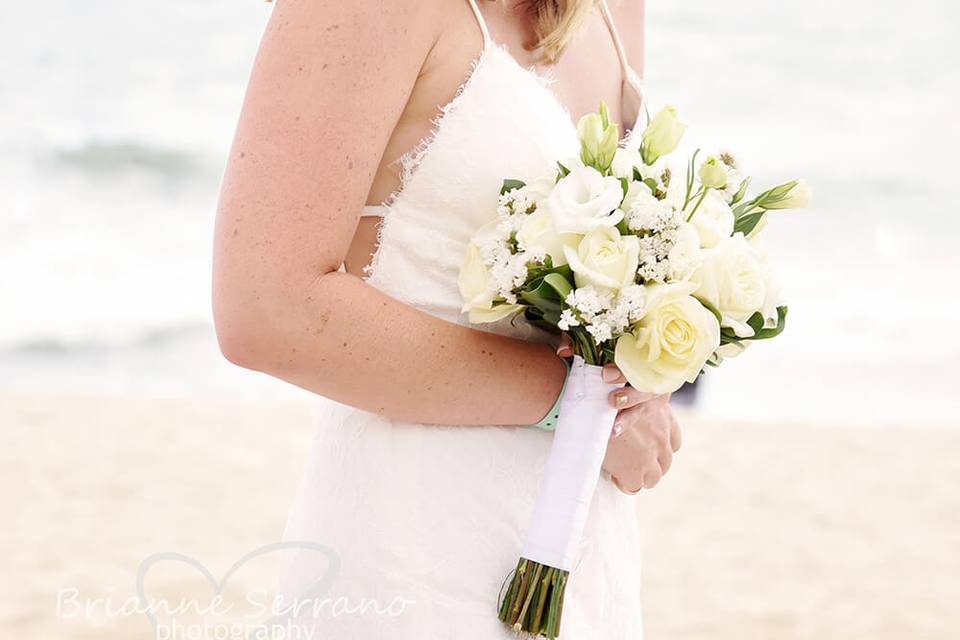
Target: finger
612,375
629,397
676,438
565,350
622,489
651,477
665,459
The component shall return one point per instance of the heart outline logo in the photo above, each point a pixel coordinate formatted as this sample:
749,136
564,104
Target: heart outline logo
317,589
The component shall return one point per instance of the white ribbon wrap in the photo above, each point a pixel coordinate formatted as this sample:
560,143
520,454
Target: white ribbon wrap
573,468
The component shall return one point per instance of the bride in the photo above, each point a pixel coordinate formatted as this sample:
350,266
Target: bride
372,143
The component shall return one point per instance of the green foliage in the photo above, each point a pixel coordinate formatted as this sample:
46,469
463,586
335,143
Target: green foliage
510,185
747,223
741,192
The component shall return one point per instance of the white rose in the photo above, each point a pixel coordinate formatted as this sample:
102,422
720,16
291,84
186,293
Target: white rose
477,292
605,259
584,200
714,219
671,343
735,280
685,256
539,232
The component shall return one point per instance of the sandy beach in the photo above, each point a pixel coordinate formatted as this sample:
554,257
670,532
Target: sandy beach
786,531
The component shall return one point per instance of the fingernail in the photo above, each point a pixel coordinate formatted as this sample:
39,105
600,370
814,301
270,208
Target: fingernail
621,400
617,429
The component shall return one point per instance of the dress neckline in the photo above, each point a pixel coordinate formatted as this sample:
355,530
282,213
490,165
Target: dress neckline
414,157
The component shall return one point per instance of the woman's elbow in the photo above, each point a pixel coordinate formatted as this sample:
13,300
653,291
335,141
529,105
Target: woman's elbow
239,326
239,343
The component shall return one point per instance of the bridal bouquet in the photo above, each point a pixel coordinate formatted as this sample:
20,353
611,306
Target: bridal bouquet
654,266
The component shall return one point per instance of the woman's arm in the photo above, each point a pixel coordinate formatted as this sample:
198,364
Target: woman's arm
329,85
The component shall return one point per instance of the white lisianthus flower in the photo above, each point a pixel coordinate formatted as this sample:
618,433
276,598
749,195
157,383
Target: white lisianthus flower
539,232
671,343
539,189
478,292
605,259
685,257
713,219
624,161
735,279
584,200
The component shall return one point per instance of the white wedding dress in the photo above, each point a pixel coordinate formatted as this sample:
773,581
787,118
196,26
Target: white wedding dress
427,521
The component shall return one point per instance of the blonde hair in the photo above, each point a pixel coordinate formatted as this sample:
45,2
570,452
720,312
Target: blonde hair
555,24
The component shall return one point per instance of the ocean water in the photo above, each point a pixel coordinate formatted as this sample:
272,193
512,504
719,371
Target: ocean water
116,117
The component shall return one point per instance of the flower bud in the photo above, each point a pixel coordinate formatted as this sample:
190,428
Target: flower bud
598,139
713,173
662,135
798,197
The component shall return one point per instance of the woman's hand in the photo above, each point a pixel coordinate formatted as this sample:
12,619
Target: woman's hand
645,437
645,434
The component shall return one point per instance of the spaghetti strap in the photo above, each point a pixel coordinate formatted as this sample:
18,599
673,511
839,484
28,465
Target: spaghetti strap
617,42
481,22
630,76
374,210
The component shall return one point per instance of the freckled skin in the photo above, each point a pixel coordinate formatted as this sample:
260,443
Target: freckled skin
338,92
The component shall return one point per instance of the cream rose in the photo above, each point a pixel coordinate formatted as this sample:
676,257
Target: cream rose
671,343
605,259
713,219
584,200
539,232
735,280
478,295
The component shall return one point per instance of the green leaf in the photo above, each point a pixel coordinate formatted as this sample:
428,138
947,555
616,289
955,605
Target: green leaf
564,172
547,293
741,192
538,299
746,224
773,332
755,322
636,175
510,185
625,186
726,338
559,284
